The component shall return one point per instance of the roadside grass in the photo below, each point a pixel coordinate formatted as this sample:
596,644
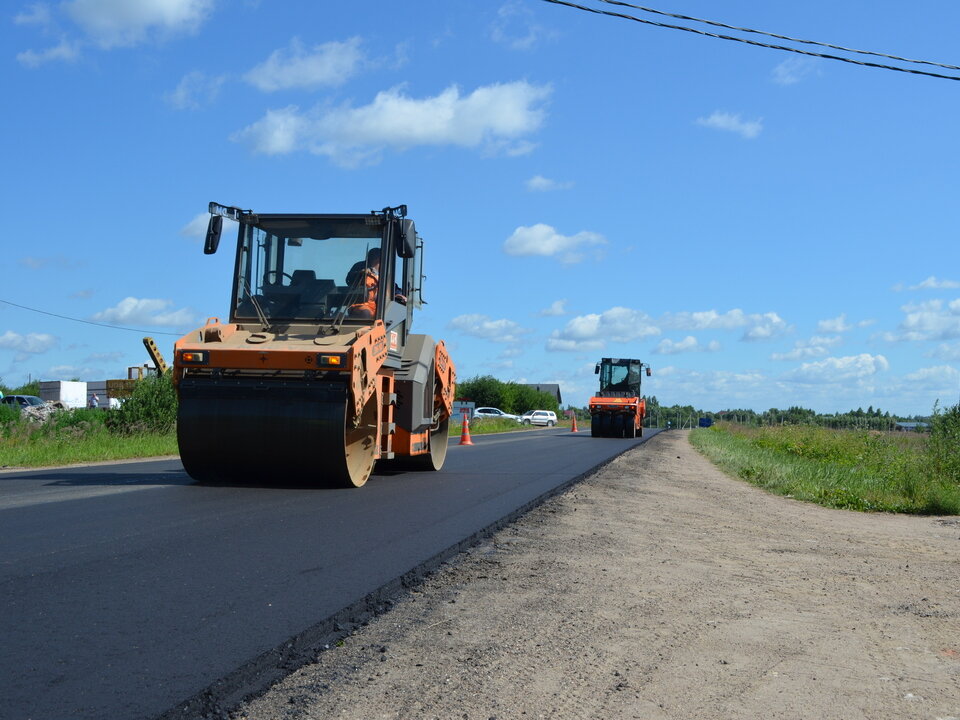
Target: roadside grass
852,470
76,436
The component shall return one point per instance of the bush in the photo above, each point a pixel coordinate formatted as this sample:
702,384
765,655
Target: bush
9,415
943,447
152,407
28,388
74,423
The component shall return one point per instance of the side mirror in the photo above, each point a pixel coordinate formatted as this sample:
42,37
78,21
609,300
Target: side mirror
214,227
648,372
407,244
596,369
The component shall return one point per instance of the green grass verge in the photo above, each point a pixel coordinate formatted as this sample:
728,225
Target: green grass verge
96,445
488,426
865,471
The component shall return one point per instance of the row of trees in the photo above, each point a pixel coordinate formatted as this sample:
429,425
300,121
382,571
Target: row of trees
859,419
487,391
680,416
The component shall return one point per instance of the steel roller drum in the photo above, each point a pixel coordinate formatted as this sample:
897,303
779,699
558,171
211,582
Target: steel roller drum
273,432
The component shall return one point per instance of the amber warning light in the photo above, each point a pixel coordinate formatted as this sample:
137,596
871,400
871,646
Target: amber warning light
332,360
193,358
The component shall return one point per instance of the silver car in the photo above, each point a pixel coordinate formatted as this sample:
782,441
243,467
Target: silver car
539,417
491,412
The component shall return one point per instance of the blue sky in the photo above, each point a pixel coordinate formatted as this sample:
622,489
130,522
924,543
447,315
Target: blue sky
765,229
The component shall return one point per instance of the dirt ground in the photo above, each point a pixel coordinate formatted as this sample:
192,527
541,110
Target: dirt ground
661,588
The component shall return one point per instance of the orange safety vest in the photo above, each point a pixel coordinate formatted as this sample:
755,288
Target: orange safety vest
371,281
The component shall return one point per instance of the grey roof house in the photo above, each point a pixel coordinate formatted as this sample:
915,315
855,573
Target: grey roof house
551,388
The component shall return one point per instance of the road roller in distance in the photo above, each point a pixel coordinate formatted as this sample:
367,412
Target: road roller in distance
618,409
316,376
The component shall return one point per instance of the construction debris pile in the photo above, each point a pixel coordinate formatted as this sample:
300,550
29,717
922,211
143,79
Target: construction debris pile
39,414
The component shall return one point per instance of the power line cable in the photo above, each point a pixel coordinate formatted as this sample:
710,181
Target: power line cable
779,37
89,322
754,42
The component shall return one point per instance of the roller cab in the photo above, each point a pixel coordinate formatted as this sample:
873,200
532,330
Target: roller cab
618,409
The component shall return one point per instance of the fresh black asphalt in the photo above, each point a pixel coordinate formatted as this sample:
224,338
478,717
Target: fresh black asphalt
127,589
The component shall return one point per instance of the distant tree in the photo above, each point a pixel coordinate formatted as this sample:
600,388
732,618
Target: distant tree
485,391
29,388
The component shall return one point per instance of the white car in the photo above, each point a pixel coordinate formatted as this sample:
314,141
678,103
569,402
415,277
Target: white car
489,412
539,417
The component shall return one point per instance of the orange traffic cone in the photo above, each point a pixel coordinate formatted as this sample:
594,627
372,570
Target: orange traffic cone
465,431
573,428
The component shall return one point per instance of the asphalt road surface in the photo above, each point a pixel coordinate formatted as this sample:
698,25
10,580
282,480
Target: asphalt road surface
127,589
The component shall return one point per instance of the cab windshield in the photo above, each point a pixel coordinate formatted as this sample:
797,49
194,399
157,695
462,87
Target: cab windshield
620,378
304,269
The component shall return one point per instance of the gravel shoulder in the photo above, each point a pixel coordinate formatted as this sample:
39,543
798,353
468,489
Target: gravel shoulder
661,588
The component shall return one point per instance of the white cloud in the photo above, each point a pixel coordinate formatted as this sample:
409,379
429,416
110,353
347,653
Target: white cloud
492,117
931,320
195,90
800,353
835,325
705,320
33,343
794,69
839,369
36,14
66,51
935,378
110,357
688,344
56,261
482,326
515,27
146,311
557,308
122,23
765,327
277,133
946,352
730,122
931,283
538,183
68,372
594,331
197,228
543,240
759,326
329,64
817,346
716,389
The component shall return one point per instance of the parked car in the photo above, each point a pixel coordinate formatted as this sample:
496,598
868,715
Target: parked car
490,412
539,417
21,401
